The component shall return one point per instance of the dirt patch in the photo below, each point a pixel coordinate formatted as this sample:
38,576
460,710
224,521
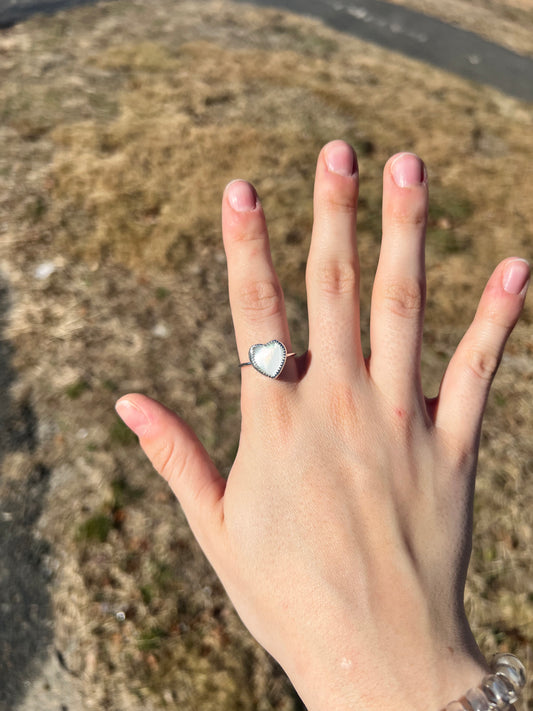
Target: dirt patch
121,125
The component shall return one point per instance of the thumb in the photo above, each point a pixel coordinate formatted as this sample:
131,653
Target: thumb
180,458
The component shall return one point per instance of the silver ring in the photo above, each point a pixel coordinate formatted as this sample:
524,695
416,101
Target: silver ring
268,358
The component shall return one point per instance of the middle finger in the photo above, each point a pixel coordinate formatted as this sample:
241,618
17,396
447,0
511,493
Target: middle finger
333,265
398,296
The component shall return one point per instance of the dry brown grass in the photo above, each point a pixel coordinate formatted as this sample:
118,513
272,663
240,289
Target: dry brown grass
120,127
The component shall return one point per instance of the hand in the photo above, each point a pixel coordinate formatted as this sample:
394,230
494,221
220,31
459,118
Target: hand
343,532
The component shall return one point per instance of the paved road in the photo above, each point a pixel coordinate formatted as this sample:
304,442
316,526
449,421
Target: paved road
13,11
422,37
383,23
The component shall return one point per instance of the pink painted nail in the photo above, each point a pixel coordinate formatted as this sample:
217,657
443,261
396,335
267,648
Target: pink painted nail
408,170
340,159
242,196
133,417
516,276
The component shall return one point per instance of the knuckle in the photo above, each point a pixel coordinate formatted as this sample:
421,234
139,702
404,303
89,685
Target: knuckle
341,406
163,459
277,410
410,215
404,298
341,200
343,204
460,453
497,317
482,364
177,476
260,299
271,417
336,278
248,234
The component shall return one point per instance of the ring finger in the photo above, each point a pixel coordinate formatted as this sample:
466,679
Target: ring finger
255,293
333,266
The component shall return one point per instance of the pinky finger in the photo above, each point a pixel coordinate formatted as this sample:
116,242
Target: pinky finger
466,383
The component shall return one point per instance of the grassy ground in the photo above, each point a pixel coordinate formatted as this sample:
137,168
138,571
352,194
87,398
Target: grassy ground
119,127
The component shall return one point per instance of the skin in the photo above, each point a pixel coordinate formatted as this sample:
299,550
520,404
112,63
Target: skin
343,532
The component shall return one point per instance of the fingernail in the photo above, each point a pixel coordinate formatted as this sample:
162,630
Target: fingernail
133,417
340,159
408,170
516,276
242,196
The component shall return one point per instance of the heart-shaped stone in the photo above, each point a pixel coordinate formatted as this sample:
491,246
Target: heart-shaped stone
268,358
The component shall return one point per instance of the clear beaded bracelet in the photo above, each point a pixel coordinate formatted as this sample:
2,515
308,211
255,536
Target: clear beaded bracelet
498,691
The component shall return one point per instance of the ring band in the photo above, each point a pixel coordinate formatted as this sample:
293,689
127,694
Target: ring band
268,358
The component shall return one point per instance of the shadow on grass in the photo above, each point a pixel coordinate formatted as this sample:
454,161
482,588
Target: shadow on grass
25,611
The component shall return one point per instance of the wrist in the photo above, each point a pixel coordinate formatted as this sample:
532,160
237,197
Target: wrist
496,690
369,683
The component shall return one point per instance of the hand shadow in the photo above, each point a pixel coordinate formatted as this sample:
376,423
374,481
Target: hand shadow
25,610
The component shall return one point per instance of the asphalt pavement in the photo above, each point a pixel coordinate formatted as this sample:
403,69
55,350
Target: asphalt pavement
14,11
391,26
424,38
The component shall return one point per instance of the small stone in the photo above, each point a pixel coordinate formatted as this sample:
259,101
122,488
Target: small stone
44,270
160,330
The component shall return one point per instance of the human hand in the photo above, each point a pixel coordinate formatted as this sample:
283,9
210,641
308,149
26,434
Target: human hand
343,532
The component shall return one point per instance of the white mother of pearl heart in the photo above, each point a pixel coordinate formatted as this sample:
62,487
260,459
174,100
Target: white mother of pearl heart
268,358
